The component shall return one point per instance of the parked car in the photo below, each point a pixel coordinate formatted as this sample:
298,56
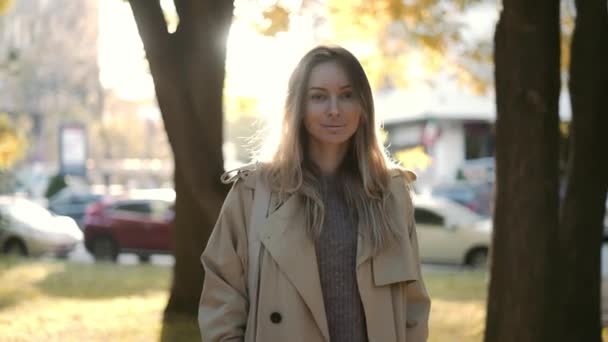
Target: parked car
130,225
451,233
478,170
29,229
72,203
477,196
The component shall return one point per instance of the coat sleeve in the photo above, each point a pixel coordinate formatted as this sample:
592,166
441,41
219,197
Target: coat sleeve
418,300
224,303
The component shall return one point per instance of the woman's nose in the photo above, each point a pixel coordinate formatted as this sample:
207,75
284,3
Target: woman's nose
333,109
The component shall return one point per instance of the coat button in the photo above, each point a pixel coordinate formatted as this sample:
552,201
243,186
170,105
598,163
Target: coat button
411,324
276,317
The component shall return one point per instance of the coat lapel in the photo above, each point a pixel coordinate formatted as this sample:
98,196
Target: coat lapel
364,250
284,237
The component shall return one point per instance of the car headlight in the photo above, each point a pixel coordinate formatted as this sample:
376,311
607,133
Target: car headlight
67,226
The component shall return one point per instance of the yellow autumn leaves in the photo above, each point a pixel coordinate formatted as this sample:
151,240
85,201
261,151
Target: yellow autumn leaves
414,158
12,144
5,5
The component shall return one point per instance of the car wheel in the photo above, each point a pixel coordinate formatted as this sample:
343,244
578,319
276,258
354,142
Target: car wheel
478,258
62,255
104,249
15,248
144,258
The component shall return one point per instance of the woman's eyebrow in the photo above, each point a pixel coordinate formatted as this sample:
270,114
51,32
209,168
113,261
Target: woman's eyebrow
346,86
317,88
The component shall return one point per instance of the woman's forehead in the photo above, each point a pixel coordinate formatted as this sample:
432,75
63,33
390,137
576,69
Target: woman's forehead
329,74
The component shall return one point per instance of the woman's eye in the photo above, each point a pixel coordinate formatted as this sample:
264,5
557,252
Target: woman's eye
317,97
347,95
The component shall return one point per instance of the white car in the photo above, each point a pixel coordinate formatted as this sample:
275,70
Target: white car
451,233
29,229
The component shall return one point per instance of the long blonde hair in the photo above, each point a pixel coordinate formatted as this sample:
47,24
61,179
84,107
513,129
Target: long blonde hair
366,166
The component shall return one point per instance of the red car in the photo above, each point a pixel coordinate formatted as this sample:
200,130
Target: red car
140,226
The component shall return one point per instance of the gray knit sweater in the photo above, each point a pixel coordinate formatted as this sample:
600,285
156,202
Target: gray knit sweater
336,255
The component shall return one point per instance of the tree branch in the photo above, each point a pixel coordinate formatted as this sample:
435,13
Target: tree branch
152,26
192,12
203,15
183,10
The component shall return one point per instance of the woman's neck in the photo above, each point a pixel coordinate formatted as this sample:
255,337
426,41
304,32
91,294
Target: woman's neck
327,157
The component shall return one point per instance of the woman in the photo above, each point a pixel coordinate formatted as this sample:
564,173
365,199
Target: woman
339,256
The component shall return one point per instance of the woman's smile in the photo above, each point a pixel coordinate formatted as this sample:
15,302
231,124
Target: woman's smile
333,126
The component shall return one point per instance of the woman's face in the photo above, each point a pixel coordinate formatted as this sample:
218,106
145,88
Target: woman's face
332,110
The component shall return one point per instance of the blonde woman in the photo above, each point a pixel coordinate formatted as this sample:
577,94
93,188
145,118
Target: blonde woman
338,257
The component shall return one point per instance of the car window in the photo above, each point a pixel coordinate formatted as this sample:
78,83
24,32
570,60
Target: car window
459,195
160,209
134,207
62,196
424,216
84,199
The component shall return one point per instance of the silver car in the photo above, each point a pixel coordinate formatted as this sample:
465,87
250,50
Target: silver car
29,229
451,233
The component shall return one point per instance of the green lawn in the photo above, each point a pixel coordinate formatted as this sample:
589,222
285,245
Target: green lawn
44,300
458,305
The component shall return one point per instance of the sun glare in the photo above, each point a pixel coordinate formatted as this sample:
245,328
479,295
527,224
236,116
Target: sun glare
122,63
259,66
256,66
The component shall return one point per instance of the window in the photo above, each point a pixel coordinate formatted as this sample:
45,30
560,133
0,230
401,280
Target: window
479,140
85,199
424,216
161,210
134,207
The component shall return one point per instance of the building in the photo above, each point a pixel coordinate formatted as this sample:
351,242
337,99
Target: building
48,69
436,133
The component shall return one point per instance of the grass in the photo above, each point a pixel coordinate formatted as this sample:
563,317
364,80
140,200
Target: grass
46,300
458,305
62,301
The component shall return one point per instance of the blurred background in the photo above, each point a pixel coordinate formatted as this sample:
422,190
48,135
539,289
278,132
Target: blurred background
77,91
87,171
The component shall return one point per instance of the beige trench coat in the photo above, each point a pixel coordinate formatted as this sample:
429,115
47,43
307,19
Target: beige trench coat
290,302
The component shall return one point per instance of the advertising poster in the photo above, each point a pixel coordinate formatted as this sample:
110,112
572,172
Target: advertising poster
73,149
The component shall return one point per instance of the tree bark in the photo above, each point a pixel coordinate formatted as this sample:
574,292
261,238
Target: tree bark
582,214
188,69
521,302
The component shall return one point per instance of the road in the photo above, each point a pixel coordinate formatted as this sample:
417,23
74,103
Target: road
81,255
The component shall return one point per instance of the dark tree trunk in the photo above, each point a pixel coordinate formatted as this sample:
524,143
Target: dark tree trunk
521,302
582,214
188,69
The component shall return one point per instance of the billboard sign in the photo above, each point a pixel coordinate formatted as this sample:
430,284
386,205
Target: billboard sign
73,149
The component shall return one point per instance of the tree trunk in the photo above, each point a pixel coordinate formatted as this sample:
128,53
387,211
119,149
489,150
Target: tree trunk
188,68
582,214
523,288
